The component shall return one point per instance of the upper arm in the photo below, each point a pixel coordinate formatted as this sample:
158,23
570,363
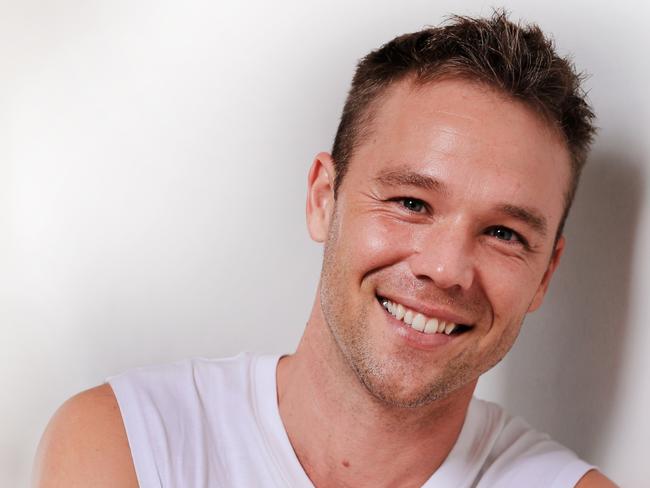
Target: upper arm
85,444
595,479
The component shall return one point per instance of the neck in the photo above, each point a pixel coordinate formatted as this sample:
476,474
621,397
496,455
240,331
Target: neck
344,436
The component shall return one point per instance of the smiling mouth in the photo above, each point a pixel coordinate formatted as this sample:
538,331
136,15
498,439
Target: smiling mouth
420,322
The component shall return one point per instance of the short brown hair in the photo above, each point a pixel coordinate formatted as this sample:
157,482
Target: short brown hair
517,59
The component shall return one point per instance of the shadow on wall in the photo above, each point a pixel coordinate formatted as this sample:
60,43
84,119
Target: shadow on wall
563,374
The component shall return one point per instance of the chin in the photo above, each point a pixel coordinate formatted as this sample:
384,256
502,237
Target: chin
394,384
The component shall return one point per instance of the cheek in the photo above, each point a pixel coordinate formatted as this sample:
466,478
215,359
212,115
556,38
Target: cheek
509,285
380,241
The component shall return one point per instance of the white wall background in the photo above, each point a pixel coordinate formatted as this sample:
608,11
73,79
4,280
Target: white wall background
153,159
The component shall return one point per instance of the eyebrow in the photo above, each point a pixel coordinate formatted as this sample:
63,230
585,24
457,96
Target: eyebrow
403,177
526,215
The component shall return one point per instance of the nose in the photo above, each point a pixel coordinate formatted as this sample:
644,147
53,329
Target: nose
443,255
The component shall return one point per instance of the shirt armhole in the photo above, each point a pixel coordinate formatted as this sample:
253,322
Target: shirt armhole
569,476
134,425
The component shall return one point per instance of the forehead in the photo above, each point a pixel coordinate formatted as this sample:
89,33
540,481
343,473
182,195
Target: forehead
477,140
464,108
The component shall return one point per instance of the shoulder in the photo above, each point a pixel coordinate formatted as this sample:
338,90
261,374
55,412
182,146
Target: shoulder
173,389
185,375
517,453
85,444
595,479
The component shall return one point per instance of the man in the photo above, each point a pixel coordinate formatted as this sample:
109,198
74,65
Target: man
441,210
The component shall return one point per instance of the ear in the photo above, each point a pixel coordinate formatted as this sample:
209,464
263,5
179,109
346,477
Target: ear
546,279
320,196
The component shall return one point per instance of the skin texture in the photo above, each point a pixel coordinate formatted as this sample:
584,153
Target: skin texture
425,217
85,445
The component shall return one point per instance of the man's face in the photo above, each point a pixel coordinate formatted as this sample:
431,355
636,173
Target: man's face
448,210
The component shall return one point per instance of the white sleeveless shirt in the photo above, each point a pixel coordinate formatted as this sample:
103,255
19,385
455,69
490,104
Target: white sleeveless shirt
216,423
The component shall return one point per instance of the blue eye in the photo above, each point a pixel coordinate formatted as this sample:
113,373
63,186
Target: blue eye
504,234
413,204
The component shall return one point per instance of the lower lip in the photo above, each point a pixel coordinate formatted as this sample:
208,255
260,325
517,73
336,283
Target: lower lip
415,338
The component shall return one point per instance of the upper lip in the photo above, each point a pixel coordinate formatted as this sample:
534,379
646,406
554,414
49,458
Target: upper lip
428,310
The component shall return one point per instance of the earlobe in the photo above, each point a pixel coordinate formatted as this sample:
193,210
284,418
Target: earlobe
320,196
546,279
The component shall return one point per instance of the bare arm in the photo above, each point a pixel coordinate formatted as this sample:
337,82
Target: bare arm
85,444
595,479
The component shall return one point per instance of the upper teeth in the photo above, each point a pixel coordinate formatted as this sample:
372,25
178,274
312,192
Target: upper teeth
418,321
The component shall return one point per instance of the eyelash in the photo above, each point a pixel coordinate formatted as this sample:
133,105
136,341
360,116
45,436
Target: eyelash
519,239
402,201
